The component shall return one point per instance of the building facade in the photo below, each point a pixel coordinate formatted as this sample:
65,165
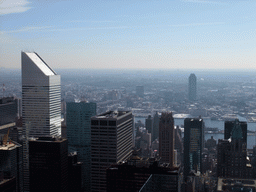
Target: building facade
166,138
155,134
133,174
11,163
8,110
229,127
192,87
193,145
41,103
111,142
48,164
232,155
78,120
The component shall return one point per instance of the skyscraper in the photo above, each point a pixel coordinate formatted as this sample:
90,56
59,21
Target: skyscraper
229,125
79,135
193,144
111,142
166,138
48,164
41,103
192,87
232,154
155,127
149,124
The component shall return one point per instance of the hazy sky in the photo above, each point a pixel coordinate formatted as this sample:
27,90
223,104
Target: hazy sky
130,33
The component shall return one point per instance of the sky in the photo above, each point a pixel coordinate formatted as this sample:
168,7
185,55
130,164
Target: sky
130,34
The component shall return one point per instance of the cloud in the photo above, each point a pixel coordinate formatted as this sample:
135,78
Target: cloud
88,21
203,1
56,29
13,6
29,29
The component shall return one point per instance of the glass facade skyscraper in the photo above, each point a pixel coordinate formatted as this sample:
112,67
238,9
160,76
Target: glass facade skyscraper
78,119
193,144
41,103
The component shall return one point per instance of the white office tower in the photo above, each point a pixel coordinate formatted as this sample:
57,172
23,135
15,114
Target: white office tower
41,103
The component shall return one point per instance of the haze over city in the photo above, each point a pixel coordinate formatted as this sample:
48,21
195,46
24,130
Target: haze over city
164,34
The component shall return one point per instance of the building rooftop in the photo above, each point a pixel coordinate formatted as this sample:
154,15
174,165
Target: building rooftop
48,139
10,146
38,61
112,114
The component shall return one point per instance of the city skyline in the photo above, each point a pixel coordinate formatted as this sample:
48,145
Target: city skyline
137,35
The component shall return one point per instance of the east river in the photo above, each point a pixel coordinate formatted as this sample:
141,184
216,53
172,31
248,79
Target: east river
251,137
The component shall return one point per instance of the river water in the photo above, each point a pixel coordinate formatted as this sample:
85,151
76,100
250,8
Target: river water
251,139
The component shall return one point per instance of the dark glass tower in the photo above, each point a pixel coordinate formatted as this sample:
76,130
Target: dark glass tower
166,138
229,126
155,127
149,124
79,135
48,164
192,87
193,144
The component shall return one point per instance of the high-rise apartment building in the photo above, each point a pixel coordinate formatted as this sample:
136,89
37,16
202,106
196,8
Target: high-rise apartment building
192,87
229,125
193,144
48,164
166,138
41,103
111,142
78,120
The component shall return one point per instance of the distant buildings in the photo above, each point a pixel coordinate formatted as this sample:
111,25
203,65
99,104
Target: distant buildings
140,91
48,164
193,145
41,103
111,142
192,87
166,138
78,119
